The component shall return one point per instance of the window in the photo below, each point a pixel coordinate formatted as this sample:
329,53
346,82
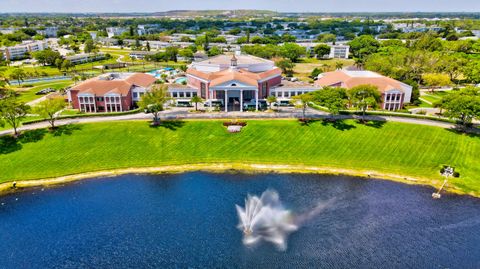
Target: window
100,99
175,94
135,95
194,94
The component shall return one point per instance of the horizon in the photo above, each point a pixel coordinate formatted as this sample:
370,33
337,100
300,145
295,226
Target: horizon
281,6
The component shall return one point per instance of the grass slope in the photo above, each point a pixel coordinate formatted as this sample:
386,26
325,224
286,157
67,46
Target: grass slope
405,149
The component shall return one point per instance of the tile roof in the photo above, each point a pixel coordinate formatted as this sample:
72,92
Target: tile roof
101,87
350,79
242,75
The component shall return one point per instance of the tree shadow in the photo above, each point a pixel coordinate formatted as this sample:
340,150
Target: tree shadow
169,124
67,129
307,122
460,130
32,136
373,123
9,144
338,124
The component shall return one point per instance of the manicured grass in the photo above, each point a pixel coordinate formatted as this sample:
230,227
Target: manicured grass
28,94
397,148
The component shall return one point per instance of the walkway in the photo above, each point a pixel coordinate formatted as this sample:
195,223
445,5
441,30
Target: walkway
180,114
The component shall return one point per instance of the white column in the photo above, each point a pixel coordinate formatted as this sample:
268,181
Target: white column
256,100
210,95
226,101
241,100
121,106
95,103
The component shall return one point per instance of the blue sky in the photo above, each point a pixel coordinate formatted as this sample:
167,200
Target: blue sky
276,5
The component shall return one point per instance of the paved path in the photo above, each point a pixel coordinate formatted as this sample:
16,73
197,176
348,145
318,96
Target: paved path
184,114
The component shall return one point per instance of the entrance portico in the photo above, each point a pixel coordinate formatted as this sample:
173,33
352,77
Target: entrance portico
232,94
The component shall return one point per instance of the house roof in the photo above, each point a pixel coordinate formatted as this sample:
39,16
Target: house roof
350,79
103,85
242,75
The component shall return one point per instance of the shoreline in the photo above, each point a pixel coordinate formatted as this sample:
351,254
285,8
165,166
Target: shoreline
6,187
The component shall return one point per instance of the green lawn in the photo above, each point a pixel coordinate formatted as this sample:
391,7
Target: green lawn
28,94
405,149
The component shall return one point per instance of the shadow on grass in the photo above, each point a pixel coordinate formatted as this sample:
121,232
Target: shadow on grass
66,129
372,123
338,124
471,132
32,136
169,124
9,144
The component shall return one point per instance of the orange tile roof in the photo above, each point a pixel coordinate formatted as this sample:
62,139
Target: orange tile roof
242,75
101,87
347,81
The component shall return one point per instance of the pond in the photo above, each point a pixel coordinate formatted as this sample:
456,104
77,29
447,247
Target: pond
190,220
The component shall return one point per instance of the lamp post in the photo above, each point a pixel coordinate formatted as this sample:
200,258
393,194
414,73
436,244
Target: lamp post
447,172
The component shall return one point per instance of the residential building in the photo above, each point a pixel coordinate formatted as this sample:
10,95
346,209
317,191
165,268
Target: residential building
140,55
49,31
339,52
394,93
230,81
21,51
85,57
114,92
115,31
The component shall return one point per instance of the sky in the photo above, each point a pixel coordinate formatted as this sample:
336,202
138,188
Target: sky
114,6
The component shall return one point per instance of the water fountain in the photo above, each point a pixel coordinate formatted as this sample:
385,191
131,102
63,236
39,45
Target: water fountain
265,218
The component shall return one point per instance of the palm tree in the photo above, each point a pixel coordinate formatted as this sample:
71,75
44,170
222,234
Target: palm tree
271,99
196,99
338,65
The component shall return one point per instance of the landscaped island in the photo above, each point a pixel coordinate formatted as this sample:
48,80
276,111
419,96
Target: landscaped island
390,150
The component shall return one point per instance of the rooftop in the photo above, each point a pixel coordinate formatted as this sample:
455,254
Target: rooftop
119,83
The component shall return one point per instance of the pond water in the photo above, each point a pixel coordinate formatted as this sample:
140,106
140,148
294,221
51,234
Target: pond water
190,221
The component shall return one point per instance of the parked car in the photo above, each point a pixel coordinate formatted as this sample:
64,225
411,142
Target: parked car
45,91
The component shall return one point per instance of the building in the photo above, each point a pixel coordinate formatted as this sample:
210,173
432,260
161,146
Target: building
339,52
233,82
49,31
115,31
21,51
140,55
113,92
394,93
85,57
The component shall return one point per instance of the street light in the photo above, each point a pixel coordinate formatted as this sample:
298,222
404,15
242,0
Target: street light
447,172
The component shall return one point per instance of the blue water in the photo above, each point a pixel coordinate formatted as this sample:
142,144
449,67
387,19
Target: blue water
181,80
189,221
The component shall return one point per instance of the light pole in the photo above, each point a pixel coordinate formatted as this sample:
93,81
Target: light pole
447,172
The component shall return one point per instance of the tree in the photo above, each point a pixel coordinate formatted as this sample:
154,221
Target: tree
286,65
302,101
334,99
214,51
472,71
148,46
292,51
321,50
363,97
66,65
18,74
338,65
315,72
196,99
48,109
89,46
463,105
154,100
13,111
271,99
363,46
327,38
435,80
